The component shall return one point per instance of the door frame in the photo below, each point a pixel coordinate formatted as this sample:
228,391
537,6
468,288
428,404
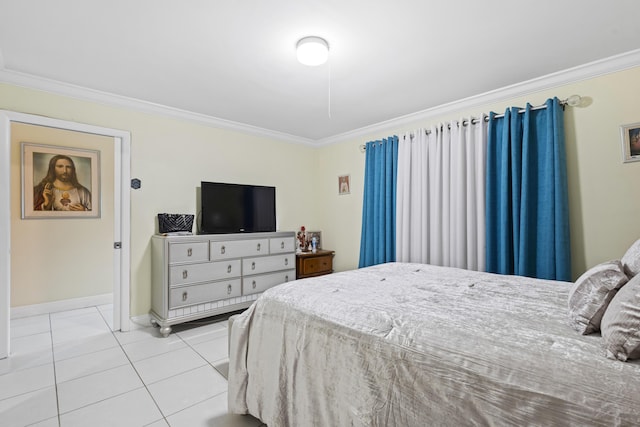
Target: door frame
122,218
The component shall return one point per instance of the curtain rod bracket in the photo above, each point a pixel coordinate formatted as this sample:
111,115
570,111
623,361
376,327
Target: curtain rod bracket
573,101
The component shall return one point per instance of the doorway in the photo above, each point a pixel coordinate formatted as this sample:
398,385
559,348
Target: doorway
116,146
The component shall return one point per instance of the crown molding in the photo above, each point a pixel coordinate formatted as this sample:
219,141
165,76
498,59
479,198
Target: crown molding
82,93
590,70
583,72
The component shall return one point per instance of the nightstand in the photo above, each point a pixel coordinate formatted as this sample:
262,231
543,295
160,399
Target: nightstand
309,264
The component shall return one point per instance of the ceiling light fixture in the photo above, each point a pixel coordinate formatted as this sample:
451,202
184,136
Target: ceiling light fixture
312,51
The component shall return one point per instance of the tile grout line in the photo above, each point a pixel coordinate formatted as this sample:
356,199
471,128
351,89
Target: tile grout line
55,379
184,340
207,360
104,370
207,363
144,384
182,373
99,401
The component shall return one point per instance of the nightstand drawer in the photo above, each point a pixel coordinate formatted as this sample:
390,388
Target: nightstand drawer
320,264
188,252
207,271
197,294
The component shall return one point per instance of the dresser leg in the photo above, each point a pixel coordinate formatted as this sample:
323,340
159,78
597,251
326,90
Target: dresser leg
165,331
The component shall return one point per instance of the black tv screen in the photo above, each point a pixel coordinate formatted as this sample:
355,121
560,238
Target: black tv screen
237,208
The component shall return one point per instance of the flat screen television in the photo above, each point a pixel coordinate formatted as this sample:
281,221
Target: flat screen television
237,208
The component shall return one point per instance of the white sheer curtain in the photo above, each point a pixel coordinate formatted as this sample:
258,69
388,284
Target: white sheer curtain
440,208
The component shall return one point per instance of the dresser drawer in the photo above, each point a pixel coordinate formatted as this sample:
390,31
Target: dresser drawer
267,264
207,271
197,294
188,252
282,245
239,248
319,264
262,282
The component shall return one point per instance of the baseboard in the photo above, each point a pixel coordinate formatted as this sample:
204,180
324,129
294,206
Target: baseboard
63,305
142,321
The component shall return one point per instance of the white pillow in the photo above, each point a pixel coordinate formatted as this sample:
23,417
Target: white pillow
631,259
621,323
591,294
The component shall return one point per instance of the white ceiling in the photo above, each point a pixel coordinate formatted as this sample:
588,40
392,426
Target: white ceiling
234,60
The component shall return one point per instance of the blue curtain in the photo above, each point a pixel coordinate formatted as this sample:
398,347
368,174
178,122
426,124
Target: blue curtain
526,194
378,238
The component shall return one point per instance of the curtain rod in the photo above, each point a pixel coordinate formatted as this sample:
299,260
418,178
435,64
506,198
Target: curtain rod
572,101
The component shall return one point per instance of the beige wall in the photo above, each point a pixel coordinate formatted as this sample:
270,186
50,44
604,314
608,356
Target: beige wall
604,200
48,255
172,156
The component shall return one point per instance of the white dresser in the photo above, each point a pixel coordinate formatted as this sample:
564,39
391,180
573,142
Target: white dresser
204,275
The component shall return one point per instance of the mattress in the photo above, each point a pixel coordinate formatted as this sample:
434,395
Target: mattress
412,345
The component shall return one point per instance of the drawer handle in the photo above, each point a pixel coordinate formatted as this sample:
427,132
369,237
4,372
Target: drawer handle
253,265
286,278
229,268
185,274
286,261
184,296
258,247
282,245
229,288
222,250
189,252
253,284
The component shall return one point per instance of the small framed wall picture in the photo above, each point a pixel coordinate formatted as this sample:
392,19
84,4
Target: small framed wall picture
630,138
344,184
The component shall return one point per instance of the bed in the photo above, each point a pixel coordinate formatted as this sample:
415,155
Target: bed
418,345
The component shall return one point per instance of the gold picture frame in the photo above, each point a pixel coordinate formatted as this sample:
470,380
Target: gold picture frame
630,138
60,182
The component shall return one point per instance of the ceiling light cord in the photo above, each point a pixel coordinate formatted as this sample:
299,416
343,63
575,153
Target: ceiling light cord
329,95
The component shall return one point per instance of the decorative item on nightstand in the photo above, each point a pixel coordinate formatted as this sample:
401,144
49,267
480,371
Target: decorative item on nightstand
317,235
301,240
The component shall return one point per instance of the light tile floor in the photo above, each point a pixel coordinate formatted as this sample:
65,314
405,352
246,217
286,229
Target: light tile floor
70,369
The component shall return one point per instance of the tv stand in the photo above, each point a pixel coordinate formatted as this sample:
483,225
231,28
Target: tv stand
204,275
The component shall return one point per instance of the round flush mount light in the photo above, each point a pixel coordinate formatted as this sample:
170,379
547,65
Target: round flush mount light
312,51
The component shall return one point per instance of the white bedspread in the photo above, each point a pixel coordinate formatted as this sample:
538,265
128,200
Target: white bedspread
418,345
